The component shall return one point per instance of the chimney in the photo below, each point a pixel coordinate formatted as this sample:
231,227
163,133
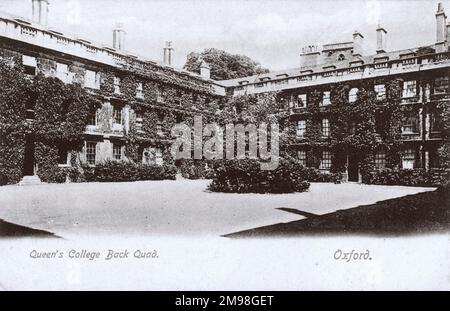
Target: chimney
119,37
205,70
357,43
309,56
40,11
381,40
441,29
168,53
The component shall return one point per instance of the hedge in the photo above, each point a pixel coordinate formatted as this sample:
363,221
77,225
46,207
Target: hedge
115,171
408,177
245,176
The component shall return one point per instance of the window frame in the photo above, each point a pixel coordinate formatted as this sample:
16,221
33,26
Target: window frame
117,109
380,94
118,156
325,160
325,128
302,129
301,156
326,98
353,95
407,91
89,147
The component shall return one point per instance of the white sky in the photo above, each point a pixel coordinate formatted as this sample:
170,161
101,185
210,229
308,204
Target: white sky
271,32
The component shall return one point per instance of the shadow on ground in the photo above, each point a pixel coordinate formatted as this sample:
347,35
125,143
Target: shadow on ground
9,230
421,213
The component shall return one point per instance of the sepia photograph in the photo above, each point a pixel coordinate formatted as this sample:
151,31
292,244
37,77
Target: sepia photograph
243,145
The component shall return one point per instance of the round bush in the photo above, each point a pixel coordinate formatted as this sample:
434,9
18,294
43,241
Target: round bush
245,176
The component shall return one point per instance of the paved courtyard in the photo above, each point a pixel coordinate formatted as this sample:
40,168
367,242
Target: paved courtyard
181,207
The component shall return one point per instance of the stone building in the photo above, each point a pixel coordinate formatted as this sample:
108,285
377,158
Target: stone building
129,87
422,72
142,97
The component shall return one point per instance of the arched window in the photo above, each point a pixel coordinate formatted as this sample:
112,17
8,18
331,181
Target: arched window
352,95
341,57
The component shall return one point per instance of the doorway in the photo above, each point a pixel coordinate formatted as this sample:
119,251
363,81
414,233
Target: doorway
353,168
29,161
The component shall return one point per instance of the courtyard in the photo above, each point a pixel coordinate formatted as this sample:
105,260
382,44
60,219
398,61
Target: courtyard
174,208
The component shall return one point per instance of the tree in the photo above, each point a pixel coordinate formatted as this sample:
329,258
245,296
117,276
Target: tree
223,64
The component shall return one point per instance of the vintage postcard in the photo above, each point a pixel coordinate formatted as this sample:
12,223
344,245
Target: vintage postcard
224,145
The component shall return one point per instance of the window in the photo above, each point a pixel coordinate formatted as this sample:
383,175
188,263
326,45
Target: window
409,88
91,79
325,99
380,90
301,128
380,160
302,157
93,118
435,122
159,129
325,163
408,159
410,124
301,101
62,72
29,64
139,120
353,95
116,85
341,57
325,128
140,90
117,114
441,85
158,156
159,95
117,152
91,149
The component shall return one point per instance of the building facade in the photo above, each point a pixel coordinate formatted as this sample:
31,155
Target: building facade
412,83
341,110
138,97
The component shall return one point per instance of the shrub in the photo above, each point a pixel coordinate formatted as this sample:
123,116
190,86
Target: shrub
197,169
245,176
315,175
406,177
114,171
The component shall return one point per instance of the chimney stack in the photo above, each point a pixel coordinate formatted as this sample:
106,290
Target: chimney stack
381,40
357,43
441,29
309,56
168,53
205,70
119,37
40,11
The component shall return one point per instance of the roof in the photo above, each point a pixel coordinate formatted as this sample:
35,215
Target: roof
281,74
105,47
